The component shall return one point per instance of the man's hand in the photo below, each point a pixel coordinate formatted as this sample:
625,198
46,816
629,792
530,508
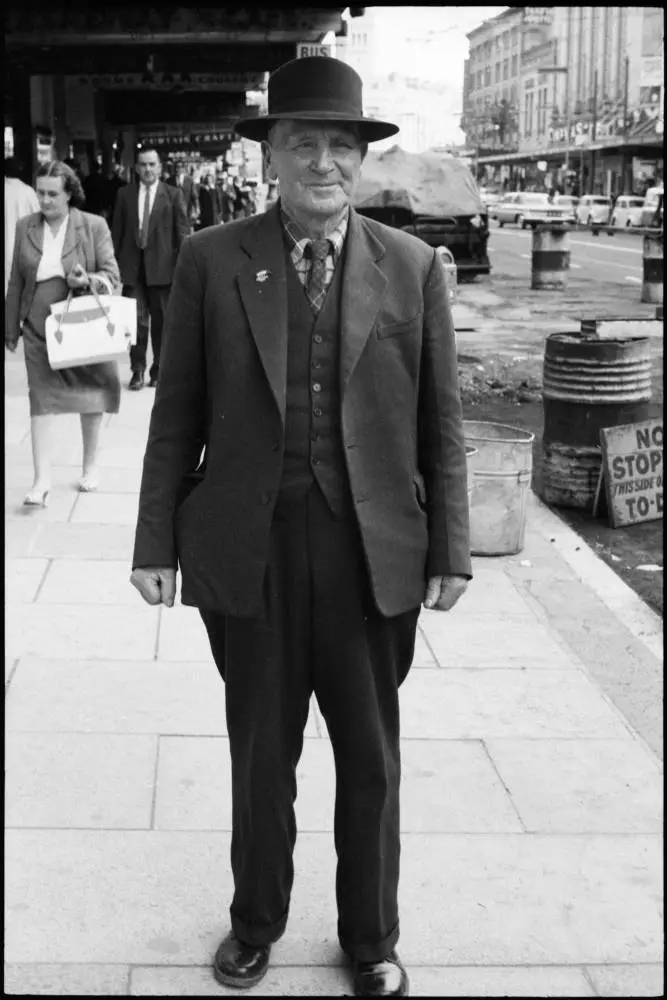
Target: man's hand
442,592
155,584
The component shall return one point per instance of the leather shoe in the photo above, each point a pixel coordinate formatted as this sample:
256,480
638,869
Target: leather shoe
137,381
387,978
153,382
239,964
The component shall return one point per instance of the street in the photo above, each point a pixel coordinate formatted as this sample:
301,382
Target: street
599,258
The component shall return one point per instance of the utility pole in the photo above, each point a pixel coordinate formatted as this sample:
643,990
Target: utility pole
626,186
594,130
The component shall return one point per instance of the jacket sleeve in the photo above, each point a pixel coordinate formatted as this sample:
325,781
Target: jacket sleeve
14,291
117,223
177,427
441,447
106,264
181,224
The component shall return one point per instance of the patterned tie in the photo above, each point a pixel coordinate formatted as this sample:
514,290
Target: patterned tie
317,251
145,219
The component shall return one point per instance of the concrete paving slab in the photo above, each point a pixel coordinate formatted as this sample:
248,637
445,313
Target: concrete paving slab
472,640
23,578
281,981
323,981
491,592
510,899
119,697
21,540
183,635
10,669
85,581
423,656
194,787
628,980
112,480
130,455
90,632
78,541
106,508
66,980
581,786
67,780
61,504
482,704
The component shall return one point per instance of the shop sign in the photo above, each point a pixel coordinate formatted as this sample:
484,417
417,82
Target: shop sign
186,140
632,470
652,73
232,82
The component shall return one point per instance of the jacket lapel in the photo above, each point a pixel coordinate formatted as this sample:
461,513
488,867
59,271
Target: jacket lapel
72,238
364,283
36,233
161,199
263,288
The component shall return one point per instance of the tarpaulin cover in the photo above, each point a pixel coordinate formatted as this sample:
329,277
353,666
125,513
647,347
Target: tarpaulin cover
424,183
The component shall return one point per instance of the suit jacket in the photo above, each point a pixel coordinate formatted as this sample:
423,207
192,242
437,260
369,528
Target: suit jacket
87,242
223,385
168,228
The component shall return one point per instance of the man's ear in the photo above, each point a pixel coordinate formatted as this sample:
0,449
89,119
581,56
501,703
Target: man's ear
268,162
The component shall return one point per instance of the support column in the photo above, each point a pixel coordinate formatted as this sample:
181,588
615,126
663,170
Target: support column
18,107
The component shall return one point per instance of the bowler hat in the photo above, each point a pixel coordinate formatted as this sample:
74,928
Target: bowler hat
317,88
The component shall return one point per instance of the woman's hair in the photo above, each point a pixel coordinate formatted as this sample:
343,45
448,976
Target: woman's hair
71,183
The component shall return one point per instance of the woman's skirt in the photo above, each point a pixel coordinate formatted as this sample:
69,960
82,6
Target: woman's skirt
88,389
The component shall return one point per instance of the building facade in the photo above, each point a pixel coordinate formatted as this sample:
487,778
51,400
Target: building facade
585,94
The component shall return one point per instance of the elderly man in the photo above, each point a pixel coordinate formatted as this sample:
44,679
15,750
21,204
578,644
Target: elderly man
309,355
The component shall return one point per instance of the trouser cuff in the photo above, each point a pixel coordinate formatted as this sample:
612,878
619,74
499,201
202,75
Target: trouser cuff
364,951
258,937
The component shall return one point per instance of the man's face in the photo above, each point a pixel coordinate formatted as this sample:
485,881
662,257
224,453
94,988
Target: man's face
318,165
148,167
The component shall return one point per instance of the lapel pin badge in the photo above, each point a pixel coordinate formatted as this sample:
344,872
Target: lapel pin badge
262,276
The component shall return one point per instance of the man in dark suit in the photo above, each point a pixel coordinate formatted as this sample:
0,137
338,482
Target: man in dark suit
310,355
148,229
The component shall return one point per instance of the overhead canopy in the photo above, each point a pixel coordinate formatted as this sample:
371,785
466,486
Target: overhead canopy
423,183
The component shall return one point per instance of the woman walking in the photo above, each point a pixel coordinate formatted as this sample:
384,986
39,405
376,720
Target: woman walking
57,249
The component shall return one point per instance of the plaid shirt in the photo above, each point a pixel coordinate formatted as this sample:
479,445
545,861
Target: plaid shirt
297,242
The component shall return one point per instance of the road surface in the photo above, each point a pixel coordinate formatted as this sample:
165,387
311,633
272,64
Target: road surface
600,258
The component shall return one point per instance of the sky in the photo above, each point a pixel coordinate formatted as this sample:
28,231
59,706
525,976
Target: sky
441,59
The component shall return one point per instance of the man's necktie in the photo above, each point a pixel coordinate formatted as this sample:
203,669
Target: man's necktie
317,251
145,219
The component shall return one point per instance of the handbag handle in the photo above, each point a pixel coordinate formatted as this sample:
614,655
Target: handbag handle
110,326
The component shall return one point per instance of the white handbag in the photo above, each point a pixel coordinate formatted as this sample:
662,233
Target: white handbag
89,329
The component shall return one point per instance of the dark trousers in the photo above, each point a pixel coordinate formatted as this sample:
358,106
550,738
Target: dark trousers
318,630
151,303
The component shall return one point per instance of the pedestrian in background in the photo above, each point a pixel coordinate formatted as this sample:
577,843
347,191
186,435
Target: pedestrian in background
208,203
20,200
96,190
115,182
310,355
189,192
57,249
149,227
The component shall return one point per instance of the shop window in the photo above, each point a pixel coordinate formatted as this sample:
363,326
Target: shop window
506,69
487,76
497,72
515,65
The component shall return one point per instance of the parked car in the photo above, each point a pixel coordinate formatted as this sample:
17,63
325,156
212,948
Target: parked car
431,196
593,208
489,196
527,208
627,211
570,203
652,212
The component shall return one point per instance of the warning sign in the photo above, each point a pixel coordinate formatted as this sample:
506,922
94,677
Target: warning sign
632,464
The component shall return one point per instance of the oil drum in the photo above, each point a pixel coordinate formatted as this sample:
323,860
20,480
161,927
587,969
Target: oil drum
550,257
587,385
653,260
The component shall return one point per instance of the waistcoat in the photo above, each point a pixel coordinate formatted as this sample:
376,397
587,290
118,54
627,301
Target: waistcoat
313,440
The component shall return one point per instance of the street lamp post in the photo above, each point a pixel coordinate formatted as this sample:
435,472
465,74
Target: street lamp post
565,70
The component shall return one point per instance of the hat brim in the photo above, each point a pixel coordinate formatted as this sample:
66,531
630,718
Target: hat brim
370,129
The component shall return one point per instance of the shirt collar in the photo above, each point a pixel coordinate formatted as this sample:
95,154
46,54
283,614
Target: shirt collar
298,240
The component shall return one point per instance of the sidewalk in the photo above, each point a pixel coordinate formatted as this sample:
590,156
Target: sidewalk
531,798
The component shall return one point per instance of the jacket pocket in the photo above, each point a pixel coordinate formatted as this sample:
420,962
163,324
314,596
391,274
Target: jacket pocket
399,328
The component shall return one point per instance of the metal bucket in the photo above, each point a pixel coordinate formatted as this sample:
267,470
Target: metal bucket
550,257
587,385
502,472
451,274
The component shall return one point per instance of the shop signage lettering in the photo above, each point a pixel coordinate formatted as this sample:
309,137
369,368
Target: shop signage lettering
632,470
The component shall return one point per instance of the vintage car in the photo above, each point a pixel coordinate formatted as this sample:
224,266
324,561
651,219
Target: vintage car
528,208
593,208
432,196
570,203
652,211
627,211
